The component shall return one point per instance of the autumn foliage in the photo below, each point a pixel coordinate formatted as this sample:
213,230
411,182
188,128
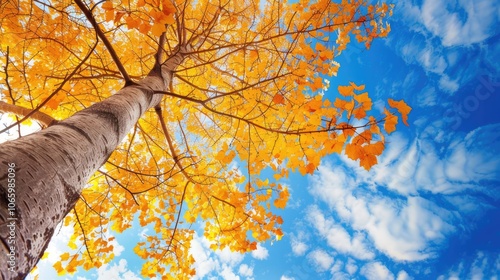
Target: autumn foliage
246,98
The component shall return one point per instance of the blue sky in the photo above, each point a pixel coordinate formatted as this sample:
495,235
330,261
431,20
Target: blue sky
429,209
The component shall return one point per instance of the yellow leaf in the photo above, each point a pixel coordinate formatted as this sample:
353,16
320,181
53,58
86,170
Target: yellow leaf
64,257
59,269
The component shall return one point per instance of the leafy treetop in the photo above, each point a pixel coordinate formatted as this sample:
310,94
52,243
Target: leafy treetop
248,89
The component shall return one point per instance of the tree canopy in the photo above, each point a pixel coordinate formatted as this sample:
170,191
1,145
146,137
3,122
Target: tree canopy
247,97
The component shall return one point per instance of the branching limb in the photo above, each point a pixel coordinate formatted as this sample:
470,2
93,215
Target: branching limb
171,145
107,43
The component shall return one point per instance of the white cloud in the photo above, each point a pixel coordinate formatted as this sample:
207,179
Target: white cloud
337,237
298,246
245,270
393,215
376,271
260,253
321,259
117,248
400,229
116,271
483,266
351,266
209,263
437,28
228,257
442,18
228,274
403,275
204,263
283,277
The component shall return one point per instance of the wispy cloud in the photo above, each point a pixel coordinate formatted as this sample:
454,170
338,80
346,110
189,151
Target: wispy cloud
460,22
483,266
442,36
337,237
391,207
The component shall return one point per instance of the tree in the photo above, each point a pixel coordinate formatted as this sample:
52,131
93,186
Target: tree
145,106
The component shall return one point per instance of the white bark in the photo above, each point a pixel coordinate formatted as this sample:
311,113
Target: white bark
53,165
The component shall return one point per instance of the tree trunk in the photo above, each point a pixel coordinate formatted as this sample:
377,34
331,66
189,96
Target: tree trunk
43,174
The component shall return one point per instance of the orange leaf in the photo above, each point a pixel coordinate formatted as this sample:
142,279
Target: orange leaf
108,5
390,121
354,152
278,99
144,27
53,103
310,168
363,97
319,47
356,87
402,108
346,90
110,15
368,161
280,202
158,29
132,23
375,149
119,15
359,113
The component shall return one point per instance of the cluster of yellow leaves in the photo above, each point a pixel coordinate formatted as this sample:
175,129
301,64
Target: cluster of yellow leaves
146,16
250,89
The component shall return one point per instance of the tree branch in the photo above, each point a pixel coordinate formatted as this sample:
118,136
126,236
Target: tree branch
102,36
20,111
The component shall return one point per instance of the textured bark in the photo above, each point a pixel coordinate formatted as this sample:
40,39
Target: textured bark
53,165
